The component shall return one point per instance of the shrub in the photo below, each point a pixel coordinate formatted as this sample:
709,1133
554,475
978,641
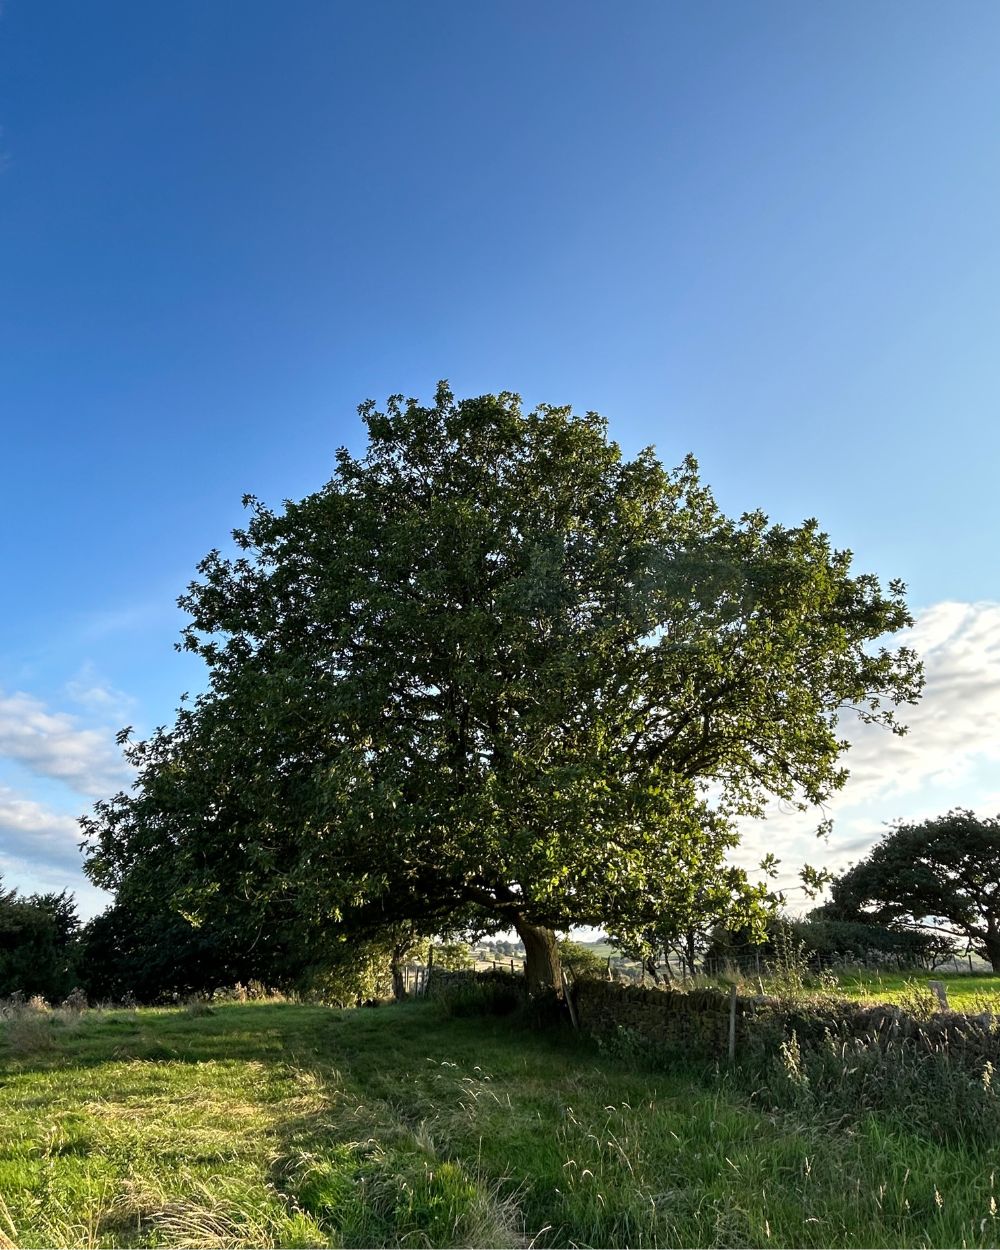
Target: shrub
453,956
197,1005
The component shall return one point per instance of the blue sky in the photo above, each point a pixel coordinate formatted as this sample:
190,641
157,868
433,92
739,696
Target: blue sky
766,234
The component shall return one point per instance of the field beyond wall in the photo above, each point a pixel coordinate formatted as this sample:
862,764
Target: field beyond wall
273,1124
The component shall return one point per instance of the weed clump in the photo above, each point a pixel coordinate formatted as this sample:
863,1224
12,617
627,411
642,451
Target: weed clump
75,1001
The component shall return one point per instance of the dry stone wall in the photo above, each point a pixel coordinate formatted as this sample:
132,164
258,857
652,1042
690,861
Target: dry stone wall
697,1022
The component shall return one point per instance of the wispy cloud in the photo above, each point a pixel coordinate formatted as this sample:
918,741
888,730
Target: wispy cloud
55,745
97,695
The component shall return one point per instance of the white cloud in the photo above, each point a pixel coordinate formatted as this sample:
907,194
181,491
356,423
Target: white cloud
953,733
40,851
957,722
31,831
53,744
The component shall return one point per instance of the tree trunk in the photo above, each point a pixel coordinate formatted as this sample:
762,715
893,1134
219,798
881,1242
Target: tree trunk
689,953
398,981
399,952
992,950
541,957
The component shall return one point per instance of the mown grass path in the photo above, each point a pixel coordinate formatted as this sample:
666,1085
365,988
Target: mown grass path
284,1125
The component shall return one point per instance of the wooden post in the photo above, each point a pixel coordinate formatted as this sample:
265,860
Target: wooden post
569,998
942,994
732,1023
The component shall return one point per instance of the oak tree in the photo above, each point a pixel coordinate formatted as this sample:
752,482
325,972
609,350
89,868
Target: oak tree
494,669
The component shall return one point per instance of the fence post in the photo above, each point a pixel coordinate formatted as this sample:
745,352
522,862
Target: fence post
942,994
732,1022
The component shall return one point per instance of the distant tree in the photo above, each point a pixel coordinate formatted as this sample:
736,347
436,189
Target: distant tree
495,665
826,940
940,876
38,944
580,960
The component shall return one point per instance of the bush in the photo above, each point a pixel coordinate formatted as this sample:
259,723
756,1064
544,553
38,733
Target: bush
76,1000
452,956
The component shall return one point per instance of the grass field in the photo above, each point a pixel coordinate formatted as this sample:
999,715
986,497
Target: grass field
965,992
270,1124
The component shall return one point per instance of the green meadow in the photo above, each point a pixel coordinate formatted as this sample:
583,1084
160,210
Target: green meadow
965,993
278,1124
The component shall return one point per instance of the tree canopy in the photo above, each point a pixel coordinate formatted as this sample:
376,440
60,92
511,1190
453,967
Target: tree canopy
38,944
936,876
495,670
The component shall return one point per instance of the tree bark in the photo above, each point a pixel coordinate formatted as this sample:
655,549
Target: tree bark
541,957
992,950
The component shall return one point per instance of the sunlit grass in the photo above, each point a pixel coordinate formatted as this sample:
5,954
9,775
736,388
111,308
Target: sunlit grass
965,992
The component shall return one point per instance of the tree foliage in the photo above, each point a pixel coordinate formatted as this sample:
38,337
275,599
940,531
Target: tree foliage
940,875
495,669
38,944
708,896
